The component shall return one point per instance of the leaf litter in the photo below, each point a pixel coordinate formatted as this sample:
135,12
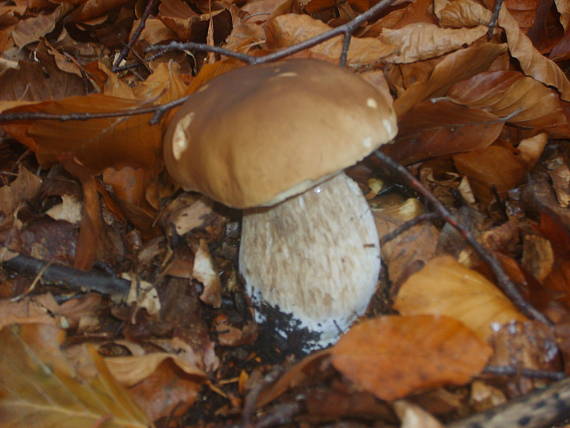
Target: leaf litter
483,123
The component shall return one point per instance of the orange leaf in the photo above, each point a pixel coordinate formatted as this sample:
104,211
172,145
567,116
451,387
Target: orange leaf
532,62
416,42
40,387
445,287
96,143
453,68
393,356
505,92
493,167
441,128
286,30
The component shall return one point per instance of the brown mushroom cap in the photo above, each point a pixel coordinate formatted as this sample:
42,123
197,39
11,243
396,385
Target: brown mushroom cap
260,134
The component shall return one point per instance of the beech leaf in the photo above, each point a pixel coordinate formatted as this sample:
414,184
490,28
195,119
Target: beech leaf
446,287
39,388
532,62
393,356
286,30
419,41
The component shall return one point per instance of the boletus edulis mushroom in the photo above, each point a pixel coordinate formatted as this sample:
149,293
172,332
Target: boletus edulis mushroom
273,140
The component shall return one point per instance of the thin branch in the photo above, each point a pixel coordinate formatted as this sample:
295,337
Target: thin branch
56,274
345,29
539,409
494,17
530,373
158,112
125,51
408,225
504,282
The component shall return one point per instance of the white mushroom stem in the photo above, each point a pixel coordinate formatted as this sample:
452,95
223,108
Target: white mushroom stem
315,255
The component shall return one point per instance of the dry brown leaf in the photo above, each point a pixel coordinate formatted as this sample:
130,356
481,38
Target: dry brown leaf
445,287
432,129
167,393
453,68
32,29
131,370
205,273
493,169
40,388
68,210
504,93
178,17
532,62
23,188
97,143
295,376
154,32
417,42
461,13
393,356
564,10
30,310
407,253
538,256
91,9
413,416
531,148
286,30
165,84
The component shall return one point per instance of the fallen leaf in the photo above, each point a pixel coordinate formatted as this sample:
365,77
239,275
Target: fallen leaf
295,376
438,128
417,42
32,29
204,272
40,388
454,67
413,416
495,167
564,10
445,287
96,143
68,210
532,62
394,356
286,30
527,102
461,13
166,392
538,256
23,188
133,369
531,148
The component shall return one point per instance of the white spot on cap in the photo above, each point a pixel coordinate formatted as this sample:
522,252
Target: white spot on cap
371,102
389,127
367,142
288,74
203,88
180,139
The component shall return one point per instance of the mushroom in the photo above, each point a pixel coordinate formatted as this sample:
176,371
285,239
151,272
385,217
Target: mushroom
273,139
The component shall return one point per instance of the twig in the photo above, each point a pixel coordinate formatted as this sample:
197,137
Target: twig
494,17
56,274
508,287
408,225
530,373
345,29
158,112
538,409
125,51
251,398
